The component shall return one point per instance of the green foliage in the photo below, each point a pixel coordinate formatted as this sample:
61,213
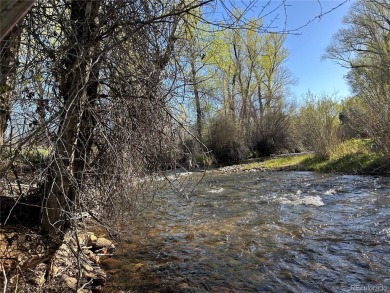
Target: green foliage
363,46
250,166
356,156
250,73
249,76
283,162
203,160
34,156
316,125
353,118
352,146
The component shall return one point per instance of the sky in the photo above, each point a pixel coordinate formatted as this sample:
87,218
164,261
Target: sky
307,48
318,76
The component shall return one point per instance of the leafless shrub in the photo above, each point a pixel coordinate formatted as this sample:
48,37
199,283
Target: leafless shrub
92,106
272,133
226,141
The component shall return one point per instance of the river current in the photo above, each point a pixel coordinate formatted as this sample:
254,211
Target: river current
261,232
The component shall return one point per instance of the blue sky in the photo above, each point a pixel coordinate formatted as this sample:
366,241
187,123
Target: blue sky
307,48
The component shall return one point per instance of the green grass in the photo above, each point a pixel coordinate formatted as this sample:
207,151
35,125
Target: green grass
34,155
254,165
350,157
278,163
355,156
284,162
203,160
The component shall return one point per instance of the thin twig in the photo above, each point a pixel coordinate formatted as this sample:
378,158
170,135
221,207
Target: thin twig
5,277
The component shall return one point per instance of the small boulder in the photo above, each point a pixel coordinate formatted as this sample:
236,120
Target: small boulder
92,256
92,238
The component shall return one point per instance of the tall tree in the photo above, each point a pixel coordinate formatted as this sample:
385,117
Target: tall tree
82,91
78,90
253,79
276,77
195,42
224,71
363,46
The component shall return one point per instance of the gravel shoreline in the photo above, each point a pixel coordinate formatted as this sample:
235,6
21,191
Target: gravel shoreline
75,267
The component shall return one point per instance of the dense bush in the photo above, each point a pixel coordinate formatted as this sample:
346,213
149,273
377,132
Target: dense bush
362,46
360,120
272,134
354,122
316,125
226,141
203,160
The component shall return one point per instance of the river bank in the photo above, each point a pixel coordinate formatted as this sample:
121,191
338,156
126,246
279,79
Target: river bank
353,164
76,267
353,157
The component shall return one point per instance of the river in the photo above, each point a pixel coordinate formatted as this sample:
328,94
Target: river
261,232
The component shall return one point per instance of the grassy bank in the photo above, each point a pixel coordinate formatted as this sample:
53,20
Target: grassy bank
350,157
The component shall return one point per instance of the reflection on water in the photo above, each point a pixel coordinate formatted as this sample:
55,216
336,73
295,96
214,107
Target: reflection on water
256,232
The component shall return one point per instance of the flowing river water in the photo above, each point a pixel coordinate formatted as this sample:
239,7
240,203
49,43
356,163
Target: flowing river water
259,232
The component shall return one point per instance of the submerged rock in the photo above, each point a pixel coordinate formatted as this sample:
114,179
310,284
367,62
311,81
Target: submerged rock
111,263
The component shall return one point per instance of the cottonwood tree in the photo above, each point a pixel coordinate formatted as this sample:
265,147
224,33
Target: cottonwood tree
363,46
194,42
270,131
253,81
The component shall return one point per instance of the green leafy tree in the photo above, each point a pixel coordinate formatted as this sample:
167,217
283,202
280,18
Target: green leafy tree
253,82
195,41
363,46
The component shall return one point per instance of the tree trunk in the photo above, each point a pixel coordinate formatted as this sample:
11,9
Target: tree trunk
9,48
78,88
197,97
261,105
